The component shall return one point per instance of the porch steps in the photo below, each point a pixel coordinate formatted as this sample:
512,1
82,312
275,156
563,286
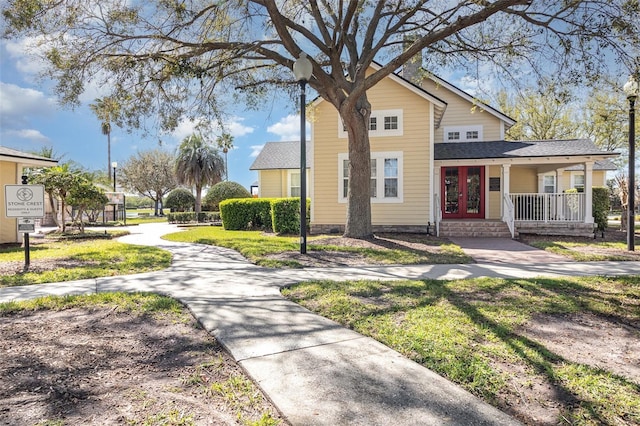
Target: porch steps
475,228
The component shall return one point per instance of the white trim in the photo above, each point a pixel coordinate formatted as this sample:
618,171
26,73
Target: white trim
380,131
379,157
289,173
434,186
463,132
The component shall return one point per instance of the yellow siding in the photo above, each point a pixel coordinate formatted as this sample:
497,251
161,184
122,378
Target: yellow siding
461,112
414,144
599,178
271,183
523,180
8,227
495,197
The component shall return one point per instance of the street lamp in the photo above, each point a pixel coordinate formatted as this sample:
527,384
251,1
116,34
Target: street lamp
302,69
631,89
115,166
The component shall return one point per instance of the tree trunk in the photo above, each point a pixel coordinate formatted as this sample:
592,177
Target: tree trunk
356,120
198,203
109,157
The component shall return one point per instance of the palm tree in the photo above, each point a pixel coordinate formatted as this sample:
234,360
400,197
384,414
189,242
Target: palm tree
198,164
225,142
107,111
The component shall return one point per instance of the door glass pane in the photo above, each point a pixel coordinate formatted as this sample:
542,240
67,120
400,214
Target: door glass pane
473,190
451,190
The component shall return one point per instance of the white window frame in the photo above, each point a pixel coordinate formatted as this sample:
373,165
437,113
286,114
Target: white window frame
379,157
463,133
290,173
379,117
574,184
544,185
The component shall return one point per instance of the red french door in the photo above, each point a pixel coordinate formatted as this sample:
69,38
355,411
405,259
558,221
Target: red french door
462,192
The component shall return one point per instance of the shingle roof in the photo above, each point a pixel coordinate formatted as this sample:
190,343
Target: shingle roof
598,165
279,155
13,153
506,149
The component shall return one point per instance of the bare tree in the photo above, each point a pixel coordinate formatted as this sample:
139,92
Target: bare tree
172,59
150,174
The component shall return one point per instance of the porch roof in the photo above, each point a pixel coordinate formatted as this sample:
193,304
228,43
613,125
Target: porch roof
280,155
517,149
15,156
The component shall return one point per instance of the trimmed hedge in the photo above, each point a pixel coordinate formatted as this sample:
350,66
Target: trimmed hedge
239,214
180,200
285,214
223,191
188,217
601,206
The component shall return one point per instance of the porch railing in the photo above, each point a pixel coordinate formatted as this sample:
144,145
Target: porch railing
436,200
549,207
509,217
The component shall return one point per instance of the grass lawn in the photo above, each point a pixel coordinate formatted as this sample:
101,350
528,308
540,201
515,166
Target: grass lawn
476,333
66,260
592,251
257,246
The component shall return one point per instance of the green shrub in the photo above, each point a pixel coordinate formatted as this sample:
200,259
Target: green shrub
223,191
180,200
239,214
285,215
189,217
601,206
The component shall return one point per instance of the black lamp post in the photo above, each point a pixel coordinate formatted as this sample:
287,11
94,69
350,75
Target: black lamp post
115,166
302,69
631,89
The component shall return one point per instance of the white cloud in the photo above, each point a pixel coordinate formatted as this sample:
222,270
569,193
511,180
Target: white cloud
255,150
288,128
29,134
18,103
234,127
26,52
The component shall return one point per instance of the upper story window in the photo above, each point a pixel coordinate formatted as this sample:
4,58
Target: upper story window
381,123
463,133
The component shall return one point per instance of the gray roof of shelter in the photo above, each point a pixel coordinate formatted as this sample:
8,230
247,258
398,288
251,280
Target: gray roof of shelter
516,149
598,165
20,155
279,155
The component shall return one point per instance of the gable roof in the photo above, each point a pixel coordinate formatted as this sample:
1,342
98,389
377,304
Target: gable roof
279,155
517,149
508,121
439,105
15,156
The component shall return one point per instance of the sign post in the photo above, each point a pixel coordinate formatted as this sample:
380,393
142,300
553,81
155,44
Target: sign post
25,202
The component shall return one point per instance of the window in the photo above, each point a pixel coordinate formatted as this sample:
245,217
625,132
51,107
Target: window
578,182
381,123
453,136
386,177
472,135
294,183
463,133
391,122
549,184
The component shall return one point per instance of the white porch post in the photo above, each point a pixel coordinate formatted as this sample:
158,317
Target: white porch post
506,184
588,192
435,186
559,189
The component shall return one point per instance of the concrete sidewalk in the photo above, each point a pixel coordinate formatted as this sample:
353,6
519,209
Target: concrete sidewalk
314,370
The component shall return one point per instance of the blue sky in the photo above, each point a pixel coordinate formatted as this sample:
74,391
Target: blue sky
30,118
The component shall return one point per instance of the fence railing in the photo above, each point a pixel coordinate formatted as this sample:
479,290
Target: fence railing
549,207
509,217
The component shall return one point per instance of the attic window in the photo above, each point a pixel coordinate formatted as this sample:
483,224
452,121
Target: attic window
382,123
463,133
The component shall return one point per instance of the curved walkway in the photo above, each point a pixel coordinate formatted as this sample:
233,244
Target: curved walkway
314,370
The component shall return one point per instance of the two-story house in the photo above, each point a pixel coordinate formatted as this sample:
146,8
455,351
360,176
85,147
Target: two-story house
439,163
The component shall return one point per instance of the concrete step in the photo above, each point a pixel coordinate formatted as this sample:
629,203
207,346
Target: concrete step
474,228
